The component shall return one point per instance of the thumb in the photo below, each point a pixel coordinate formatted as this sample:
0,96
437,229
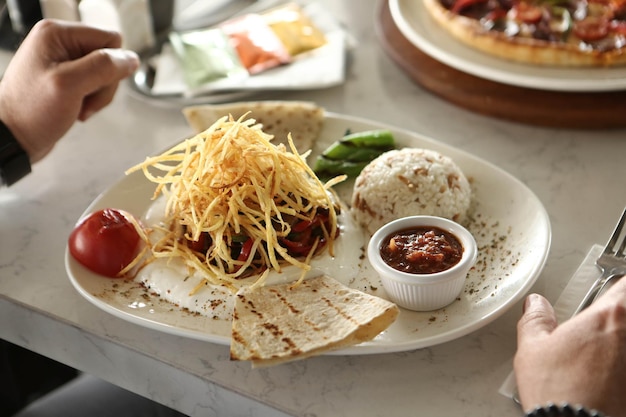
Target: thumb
538,319
98,75
104,67
100,68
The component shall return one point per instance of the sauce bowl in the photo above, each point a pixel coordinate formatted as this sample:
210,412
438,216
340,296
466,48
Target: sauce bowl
423,291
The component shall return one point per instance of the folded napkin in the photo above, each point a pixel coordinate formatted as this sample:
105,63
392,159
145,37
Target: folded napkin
319,68
568,301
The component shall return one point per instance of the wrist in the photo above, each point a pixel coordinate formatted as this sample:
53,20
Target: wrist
14,161
563,410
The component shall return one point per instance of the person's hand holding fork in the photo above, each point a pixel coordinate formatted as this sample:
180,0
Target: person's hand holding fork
62,72
581,361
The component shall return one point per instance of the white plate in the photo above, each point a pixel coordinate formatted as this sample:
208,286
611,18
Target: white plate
417,26
511,227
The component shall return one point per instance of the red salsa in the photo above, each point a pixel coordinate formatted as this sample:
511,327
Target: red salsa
421,250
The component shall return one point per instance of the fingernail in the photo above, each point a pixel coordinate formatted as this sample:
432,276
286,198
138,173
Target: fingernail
124,57
530,301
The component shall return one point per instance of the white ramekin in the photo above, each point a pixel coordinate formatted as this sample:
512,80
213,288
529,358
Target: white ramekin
423,292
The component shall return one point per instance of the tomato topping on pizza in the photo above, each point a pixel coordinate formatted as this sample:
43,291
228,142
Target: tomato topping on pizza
545,32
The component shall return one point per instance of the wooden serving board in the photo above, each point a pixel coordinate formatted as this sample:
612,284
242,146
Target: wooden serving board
580,110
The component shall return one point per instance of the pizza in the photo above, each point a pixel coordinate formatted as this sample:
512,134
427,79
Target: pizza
562,33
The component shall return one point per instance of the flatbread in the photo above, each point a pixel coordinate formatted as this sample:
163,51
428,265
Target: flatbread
276,324
302,119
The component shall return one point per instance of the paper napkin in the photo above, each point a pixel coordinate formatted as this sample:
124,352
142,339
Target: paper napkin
567,302
320,68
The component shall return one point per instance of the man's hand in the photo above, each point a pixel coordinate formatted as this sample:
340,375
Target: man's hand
582,361
61,73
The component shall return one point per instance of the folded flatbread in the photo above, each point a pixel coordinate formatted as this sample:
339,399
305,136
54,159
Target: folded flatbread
302,119
276,324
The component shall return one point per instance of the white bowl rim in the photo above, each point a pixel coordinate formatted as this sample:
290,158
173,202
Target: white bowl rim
470,250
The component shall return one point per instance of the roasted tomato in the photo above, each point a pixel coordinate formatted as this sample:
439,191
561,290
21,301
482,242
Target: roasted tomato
592,29
461,5
105,242
527,12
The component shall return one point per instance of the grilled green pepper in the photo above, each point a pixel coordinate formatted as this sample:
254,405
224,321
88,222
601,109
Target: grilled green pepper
353,152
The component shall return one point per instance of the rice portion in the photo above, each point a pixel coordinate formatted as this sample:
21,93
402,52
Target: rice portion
410,182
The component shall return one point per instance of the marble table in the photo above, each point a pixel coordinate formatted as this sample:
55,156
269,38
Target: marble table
577,174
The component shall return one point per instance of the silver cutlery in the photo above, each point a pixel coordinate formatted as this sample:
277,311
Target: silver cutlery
198,14
612,263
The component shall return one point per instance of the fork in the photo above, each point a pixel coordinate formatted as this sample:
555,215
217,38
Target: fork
612,263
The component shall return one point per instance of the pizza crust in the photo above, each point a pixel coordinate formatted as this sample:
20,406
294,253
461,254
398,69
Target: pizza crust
522,50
